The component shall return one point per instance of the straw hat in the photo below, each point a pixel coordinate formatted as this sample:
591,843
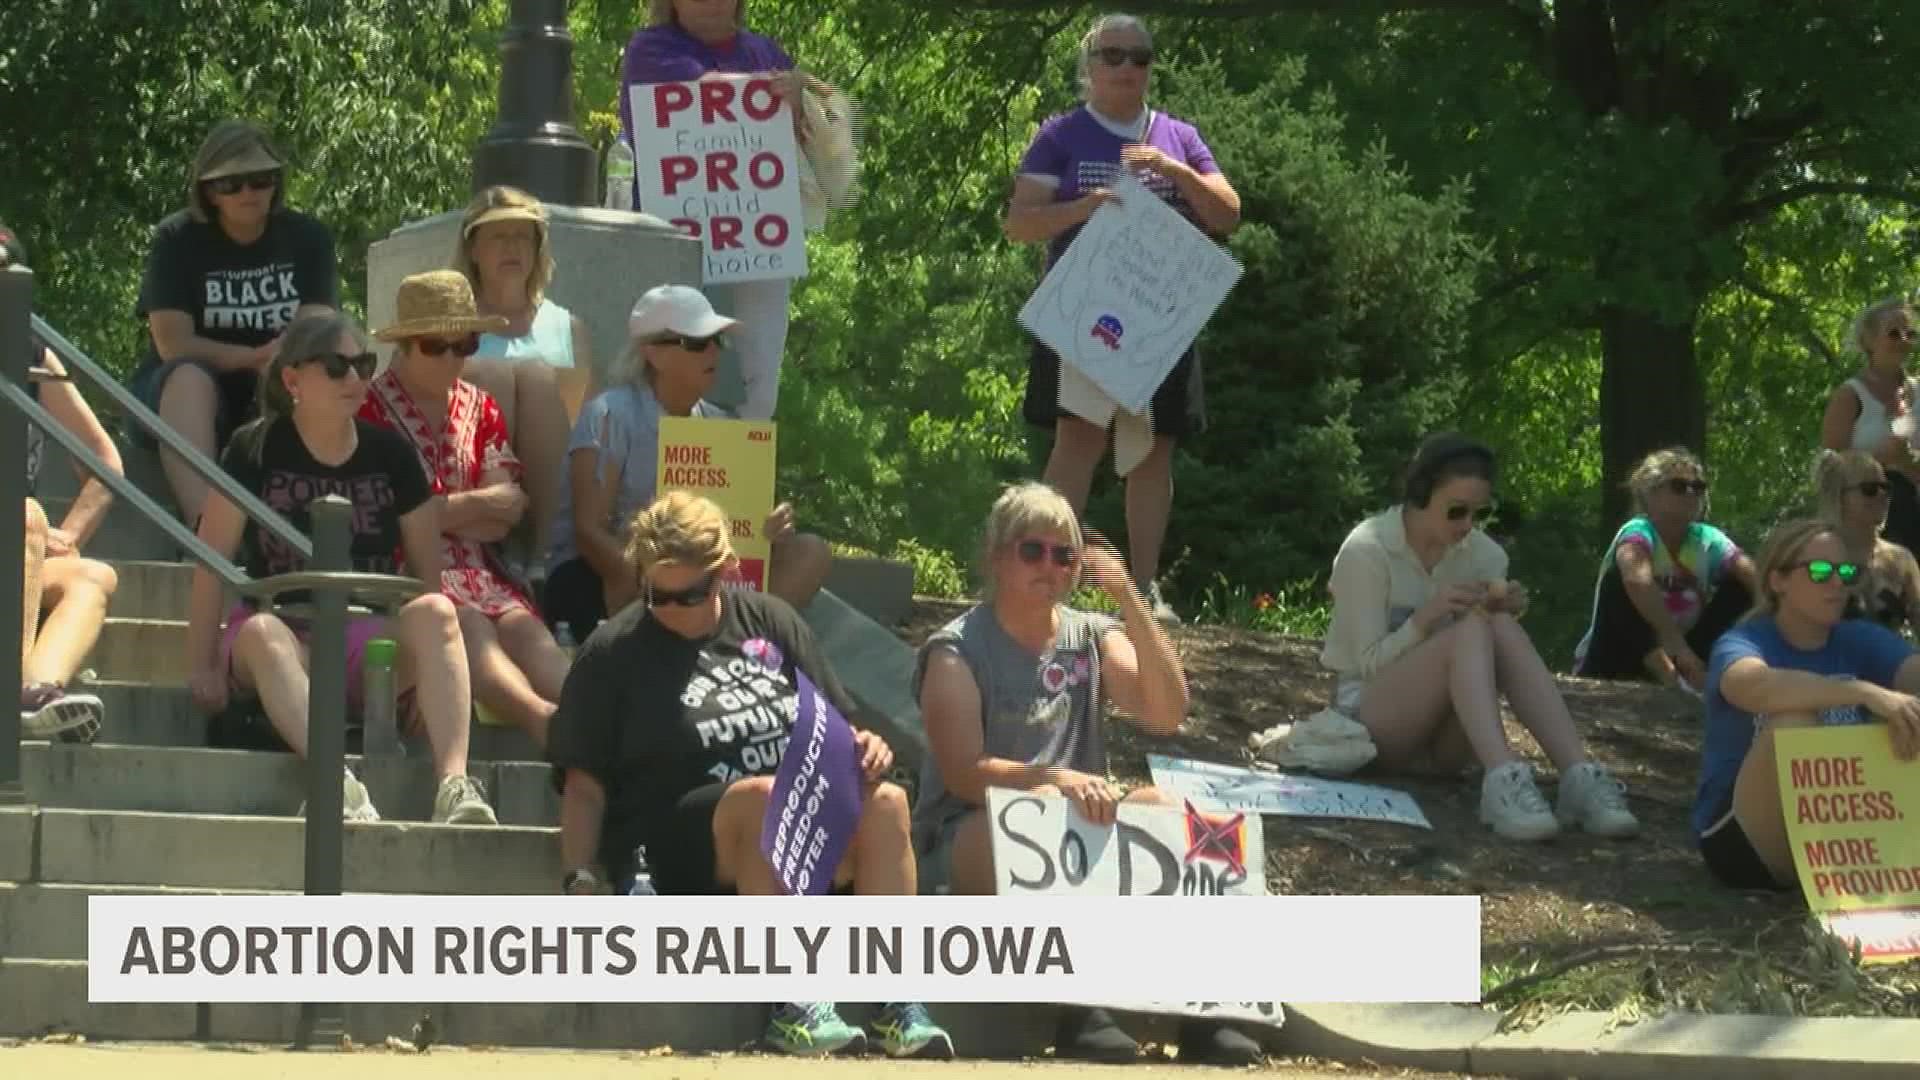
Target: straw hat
438,302
255,158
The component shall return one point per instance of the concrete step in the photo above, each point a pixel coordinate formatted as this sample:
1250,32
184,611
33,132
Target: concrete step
151,590
194,780
113,847
150,651
126,533
49,922
39,997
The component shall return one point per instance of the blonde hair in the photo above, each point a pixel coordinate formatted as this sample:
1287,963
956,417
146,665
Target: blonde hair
1871,323
1783,547
1656,468
1092,39
1023,509
660,13
680,528
1836,471
497,197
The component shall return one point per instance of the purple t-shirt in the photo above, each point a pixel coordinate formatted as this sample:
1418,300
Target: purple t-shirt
660,54
1079,152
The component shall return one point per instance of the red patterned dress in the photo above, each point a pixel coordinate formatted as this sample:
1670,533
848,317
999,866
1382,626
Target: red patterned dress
471,443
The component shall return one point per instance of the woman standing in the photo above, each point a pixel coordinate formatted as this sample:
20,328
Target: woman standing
456,431
1853,492
224,278
689,40
1065,175
309,442
1862,412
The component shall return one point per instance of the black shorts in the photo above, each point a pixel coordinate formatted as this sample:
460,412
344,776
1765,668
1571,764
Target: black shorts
1177,406
574,595
680,851
1730,857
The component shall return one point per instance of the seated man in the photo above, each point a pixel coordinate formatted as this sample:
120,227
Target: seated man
66,596
1014,693
630,750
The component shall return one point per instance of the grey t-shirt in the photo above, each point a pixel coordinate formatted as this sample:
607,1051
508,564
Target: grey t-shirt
1044,710
623,425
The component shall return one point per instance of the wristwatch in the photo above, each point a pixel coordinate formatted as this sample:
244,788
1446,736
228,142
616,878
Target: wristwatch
578,877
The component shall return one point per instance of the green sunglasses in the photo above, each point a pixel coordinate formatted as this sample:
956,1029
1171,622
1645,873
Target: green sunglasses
1819,570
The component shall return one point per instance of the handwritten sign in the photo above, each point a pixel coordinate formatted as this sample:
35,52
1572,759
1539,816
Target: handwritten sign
716,159
1041,845
730,462
1230,787
815,804
1850,808
1130,294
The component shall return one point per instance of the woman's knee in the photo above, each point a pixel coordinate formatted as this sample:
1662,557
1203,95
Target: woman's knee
264,636
94,575
36,522
886,806
188,392
431,614
741,809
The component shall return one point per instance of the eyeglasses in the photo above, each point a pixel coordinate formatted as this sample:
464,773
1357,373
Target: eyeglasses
1873,489
265,180
692,596
1461,511
463,347
1820,571
1032,552
1903,333
338,364
1687,487
1114,56
691,344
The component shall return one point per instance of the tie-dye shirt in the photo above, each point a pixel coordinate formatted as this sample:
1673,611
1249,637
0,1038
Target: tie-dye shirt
1687,578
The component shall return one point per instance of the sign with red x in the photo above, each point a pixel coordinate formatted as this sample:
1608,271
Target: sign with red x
1220,839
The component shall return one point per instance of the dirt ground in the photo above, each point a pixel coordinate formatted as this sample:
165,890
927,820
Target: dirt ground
172,1061
1658,932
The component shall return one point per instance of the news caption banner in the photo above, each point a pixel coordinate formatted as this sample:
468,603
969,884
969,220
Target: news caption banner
732,463
715,158
1130,294
816,799
1212,786
1043,847
1853,819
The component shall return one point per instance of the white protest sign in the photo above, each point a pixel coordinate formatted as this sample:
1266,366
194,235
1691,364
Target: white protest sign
1130,294
716,159
1041,846
1228,787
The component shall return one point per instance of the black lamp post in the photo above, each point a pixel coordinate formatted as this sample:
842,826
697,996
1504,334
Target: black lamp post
534,145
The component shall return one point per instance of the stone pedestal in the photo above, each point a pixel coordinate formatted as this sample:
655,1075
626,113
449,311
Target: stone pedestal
603,261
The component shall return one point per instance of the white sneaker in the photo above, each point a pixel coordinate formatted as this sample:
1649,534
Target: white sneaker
356,806
461,801
1592,799
1162,610
1513,806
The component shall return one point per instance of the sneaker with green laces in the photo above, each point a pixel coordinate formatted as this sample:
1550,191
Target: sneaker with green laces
904,1030
812,1028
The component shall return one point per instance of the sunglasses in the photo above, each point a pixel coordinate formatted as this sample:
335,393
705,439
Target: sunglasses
1820,571
1903,333
461,347
1032,552
691,344
1872,489
338,364
1687,487
266,180
692,596
1461,511
1114,56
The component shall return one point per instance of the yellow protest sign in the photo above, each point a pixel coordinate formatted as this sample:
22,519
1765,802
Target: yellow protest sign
1852,810
730,462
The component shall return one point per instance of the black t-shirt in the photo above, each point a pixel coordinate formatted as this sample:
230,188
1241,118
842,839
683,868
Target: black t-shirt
383,480
237,295
653,715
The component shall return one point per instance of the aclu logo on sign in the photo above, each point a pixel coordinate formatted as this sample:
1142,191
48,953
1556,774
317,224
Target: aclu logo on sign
1108,329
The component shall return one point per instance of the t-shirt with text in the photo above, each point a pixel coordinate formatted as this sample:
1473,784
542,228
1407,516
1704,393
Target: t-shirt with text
653,715
1857,649
1080,150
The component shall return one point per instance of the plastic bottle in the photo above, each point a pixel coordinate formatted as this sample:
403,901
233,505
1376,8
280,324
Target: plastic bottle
642,874
380,732
563,637
620,175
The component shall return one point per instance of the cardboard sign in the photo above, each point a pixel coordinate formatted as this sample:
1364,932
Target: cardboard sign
1042,845
1229,787
730,462
1850,808
1130,294
815,804
716,159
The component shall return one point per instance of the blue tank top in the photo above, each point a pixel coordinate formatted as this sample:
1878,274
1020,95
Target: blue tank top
550,339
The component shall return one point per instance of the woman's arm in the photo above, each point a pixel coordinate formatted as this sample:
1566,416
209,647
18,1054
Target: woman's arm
487,513
593,500
1212,197
221,526
1636,576
420,542
1743,571
1034,217
1836,426
173,338
583,360
63,400
1138,664
950,708
583,806
1750,684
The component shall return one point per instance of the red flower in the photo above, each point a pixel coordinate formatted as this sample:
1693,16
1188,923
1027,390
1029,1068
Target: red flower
1263,601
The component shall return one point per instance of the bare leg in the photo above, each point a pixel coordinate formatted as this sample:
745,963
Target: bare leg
1536,700
737,817
433,660
800,566
531,645
189,403
540,441
500,680
33,570
495,376
879,862
1149,504
1077,447
271,662
1447,678
76,592
1756,797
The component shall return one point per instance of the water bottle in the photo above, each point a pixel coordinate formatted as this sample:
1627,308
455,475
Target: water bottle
642,874
563,637
380,730
620,175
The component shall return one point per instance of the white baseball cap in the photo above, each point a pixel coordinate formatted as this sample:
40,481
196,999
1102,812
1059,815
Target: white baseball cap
675,309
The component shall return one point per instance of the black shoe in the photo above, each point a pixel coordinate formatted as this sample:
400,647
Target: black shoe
1209,1042
1091,1035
